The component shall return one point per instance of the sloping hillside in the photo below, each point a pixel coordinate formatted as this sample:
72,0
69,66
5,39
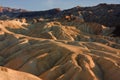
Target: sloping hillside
8,74
59,50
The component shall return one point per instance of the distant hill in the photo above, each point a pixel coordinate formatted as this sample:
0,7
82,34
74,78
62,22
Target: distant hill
8,10
106,14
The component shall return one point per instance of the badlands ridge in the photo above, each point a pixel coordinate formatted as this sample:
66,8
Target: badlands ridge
59,49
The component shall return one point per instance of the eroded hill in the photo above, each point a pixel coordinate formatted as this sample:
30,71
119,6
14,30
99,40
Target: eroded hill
56,50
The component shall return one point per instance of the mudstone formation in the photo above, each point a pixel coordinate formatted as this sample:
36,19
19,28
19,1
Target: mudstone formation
66,47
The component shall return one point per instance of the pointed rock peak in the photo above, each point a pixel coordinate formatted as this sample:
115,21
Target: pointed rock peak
58,9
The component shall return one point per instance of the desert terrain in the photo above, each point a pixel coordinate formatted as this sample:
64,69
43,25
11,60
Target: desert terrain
74,44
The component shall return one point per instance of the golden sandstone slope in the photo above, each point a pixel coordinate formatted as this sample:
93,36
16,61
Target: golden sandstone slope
58,51
8,74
